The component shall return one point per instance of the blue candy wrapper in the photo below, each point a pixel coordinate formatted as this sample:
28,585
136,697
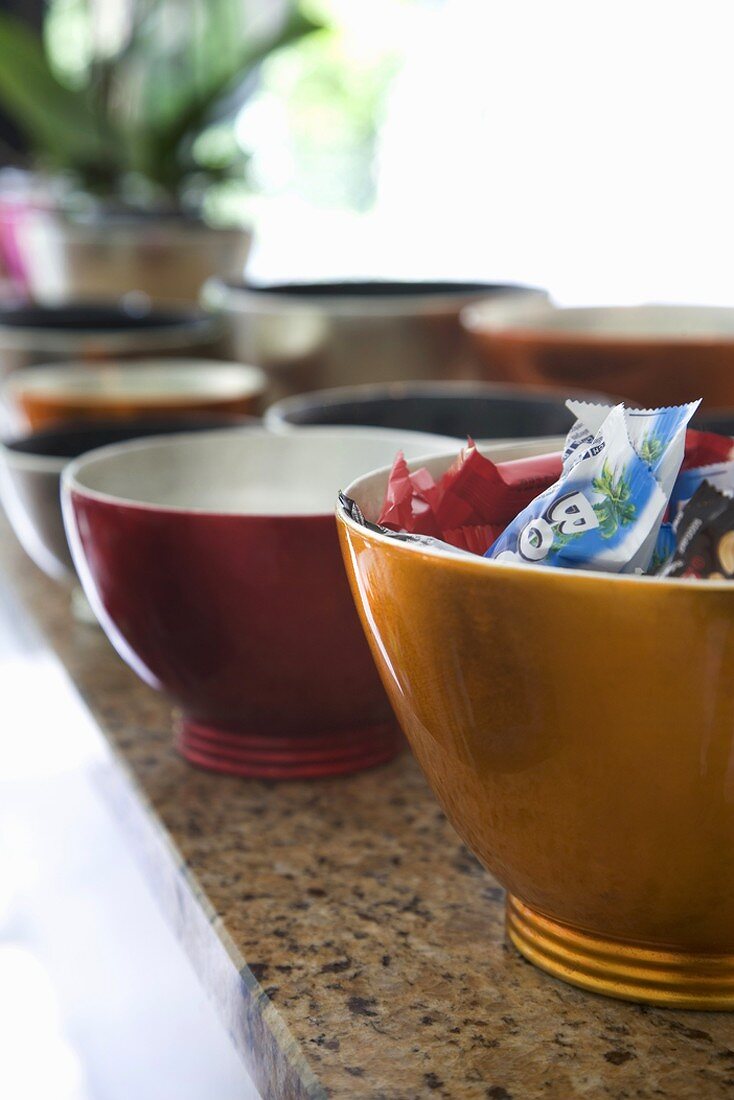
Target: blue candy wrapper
605,511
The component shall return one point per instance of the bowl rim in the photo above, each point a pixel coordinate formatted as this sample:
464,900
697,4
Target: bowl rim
12,447
195,325
70,486
45,381
226,295
51,465
465,563
334,396
529,325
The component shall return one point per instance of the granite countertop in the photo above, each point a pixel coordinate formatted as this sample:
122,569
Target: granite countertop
352,944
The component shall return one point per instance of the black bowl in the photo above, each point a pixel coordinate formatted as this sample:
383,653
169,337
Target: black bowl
31,334
379,289
98,317
480,410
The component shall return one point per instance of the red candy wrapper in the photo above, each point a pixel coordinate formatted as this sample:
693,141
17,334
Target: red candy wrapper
472,503
706,449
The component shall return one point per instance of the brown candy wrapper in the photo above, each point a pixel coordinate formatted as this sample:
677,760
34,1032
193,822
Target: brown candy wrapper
704,536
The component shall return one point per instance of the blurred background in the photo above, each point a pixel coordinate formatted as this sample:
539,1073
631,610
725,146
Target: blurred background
583,149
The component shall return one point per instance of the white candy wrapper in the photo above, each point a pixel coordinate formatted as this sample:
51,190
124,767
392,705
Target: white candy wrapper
605,511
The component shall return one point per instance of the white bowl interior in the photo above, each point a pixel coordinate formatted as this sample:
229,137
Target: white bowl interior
145,380
647,322
244,472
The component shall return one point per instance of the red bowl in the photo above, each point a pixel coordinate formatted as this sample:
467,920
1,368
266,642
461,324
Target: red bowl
213,564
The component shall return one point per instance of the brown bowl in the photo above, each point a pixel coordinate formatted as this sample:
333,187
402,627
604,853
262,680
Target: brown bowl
66,392
651,354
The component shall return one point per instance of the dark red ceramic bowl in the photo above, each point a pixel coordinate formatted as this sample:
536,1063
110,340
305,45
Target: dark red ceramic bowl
213,564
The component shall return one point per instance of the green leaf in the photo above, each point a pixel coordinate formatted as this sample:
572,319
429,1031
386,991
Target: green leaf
165,144
651,449
57,120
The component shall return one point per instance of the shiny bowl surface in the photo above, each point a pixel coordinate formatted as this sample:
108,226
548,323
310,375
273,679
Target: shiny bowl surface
47,395
651,354
578,729
213,564
309,336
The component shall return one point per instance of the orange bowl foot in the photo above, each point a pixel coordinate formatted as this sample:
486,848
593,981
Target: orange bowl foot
673,979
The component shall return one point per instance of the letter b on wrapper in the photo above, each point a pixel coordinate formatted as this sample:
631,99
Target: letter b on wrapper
573,514
536,539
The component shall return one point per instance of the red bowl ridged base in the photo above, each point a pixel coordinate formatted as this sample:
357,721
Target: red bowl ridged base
260,756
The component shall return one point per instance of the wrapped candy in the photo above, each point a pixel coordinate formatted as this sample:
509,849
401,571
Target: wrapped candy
704,537
607,502
709,457
471,503
605,510
425,542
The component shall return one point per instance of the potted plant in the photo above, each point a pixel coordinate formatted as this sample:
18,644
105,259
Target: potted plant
130,132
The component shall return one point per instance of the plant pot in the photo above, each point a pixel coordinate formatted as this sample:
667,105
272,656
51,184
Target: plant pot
166,258
21,193
309,336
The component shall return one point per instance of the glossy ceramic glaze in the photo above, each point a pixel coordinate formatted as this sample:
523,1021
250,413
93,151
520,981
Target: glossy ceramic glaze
653,354
213,565
307,336
99,331
478,409
578,729
72,392
31,465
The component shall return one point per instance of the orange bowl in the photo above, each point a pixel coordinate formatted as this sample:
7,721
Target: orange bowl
61,393
578,730
652,355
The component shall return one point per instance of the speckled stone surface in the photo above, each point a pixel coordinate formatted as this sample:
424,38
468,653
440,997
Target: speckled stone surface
353,946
